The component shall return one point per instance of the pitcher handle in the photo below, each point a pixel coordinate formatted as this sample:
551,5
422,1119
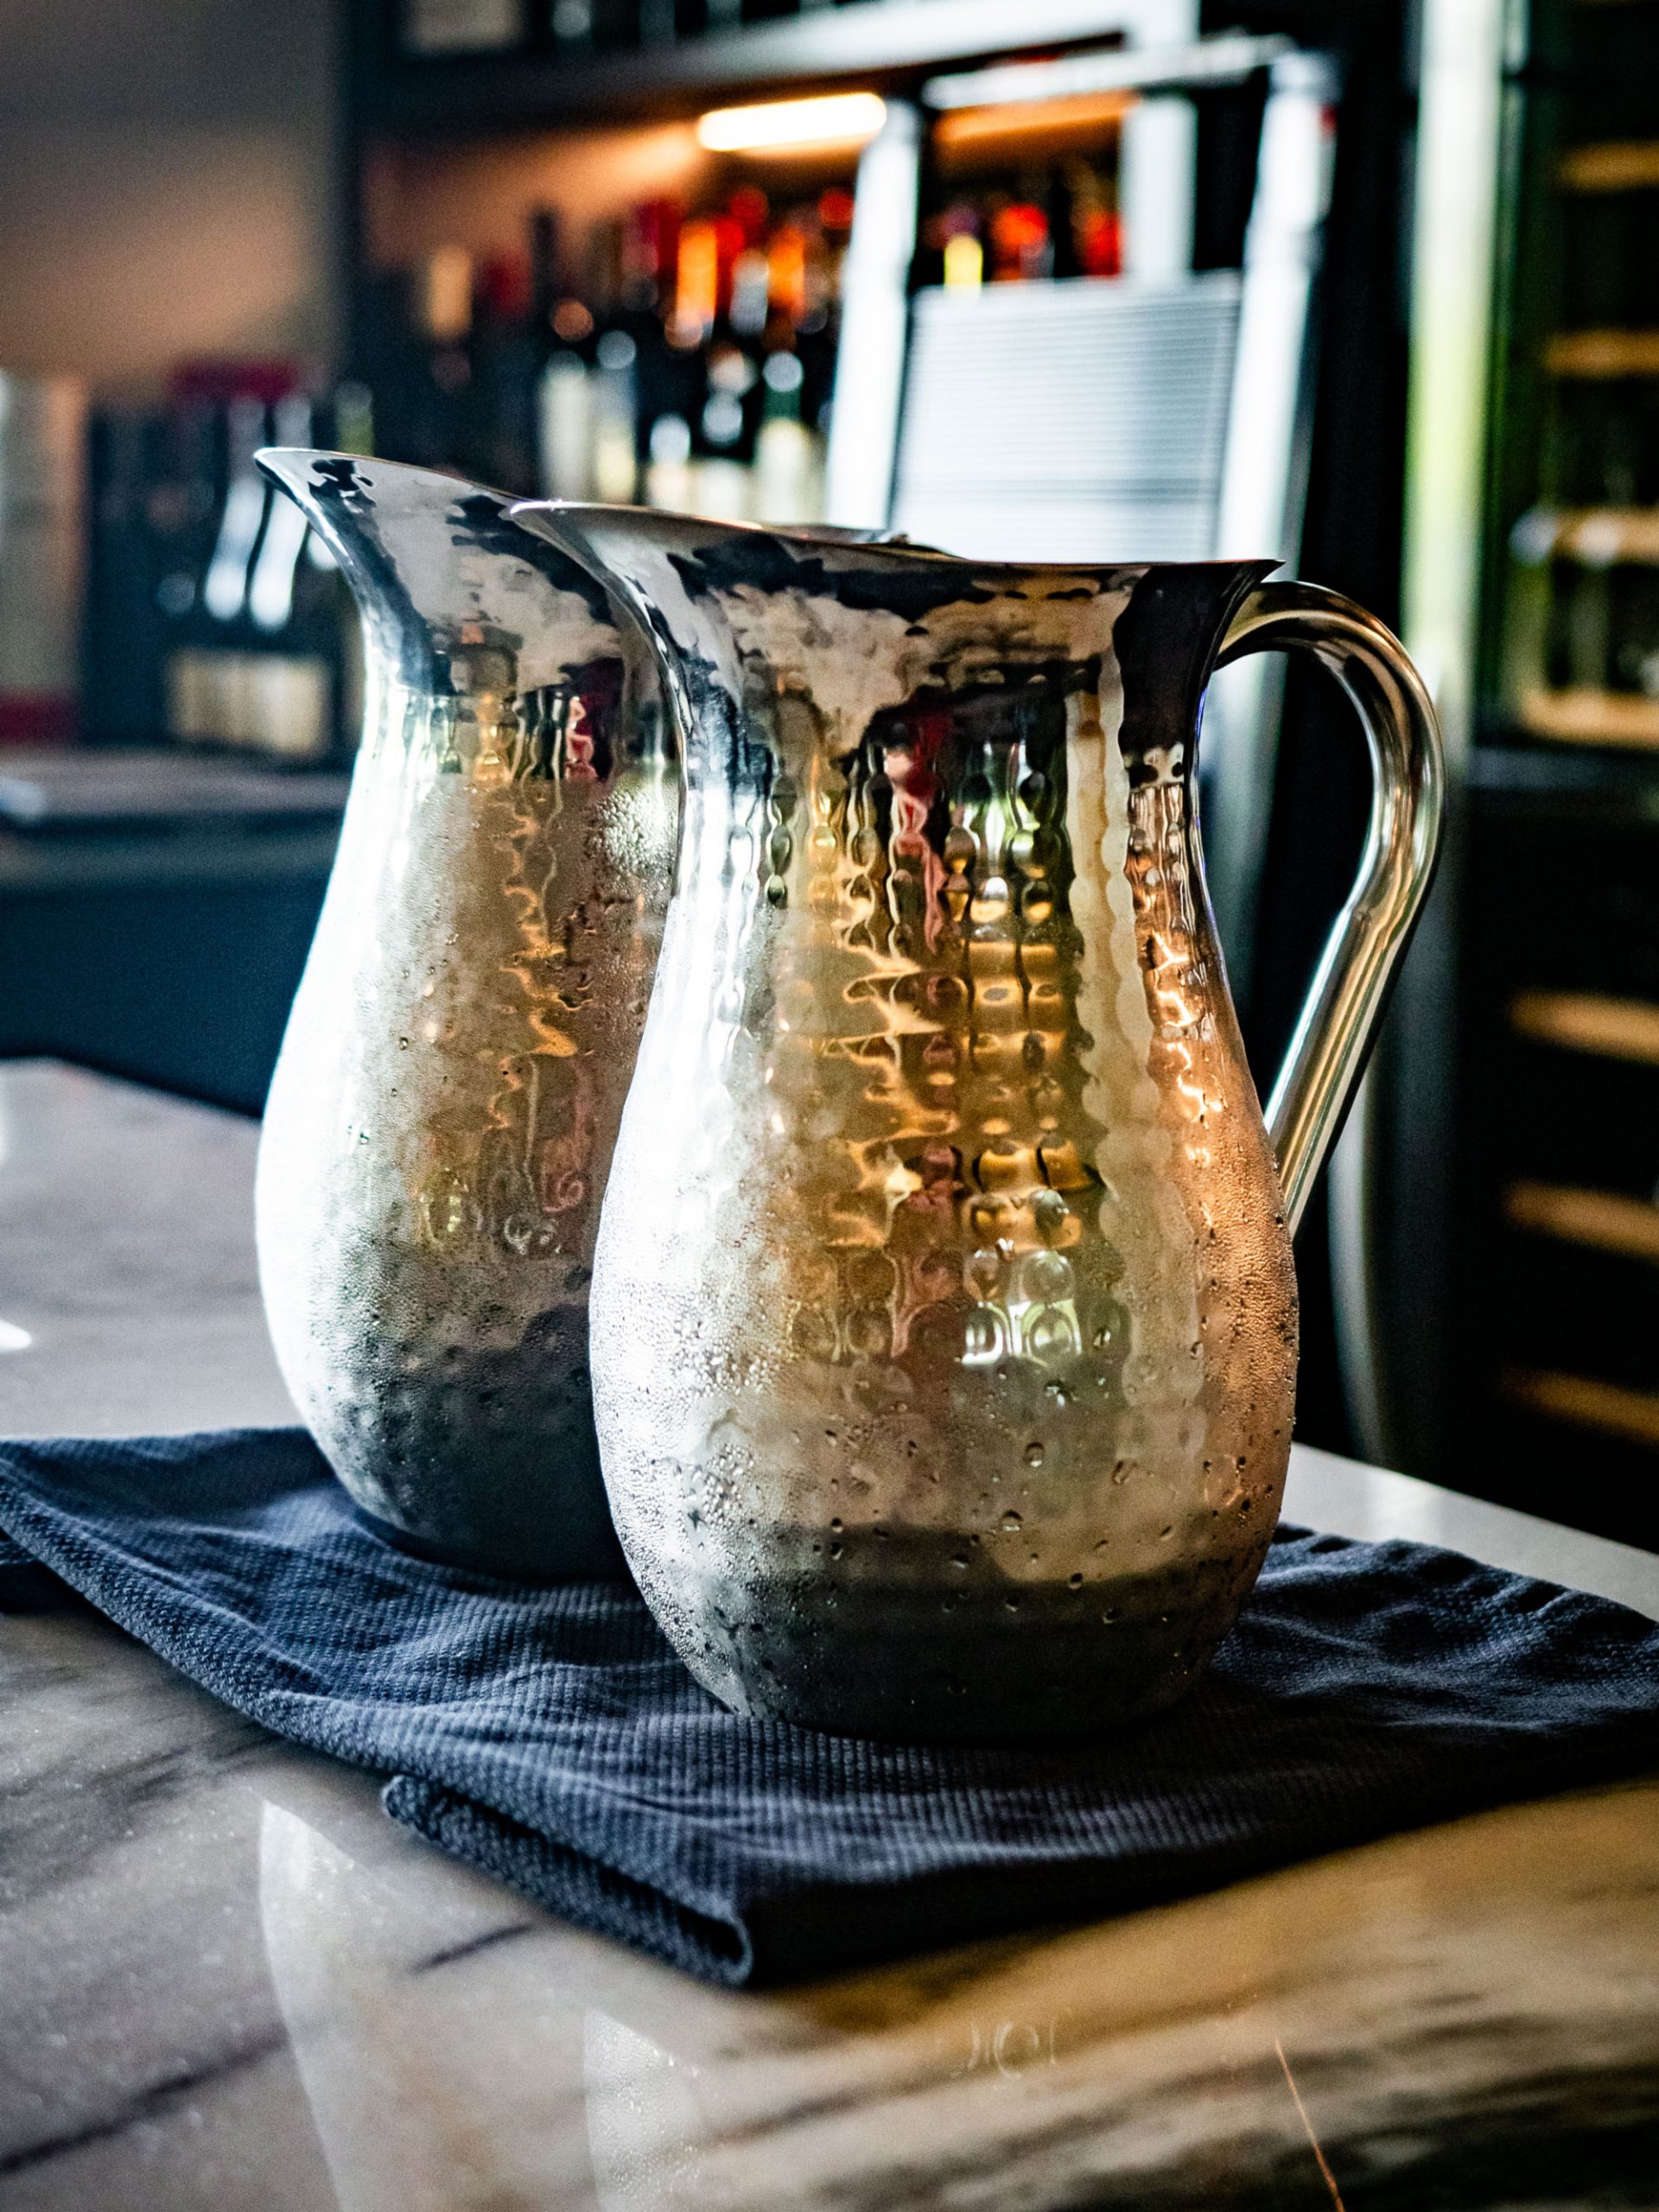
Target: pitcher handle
1326,1054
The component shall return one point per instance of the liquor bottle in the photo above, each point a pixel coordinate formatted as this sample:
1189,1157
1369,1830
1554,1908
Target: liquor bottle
565,407
242,516
182,512
706,249
197,677
662,373
572,25
505,360
817,331
121,699
615,374
1022,249
419,358
1093,226
722,439
614,469
961,248
728,419
788,457
670,482
562,329
748,296
258,664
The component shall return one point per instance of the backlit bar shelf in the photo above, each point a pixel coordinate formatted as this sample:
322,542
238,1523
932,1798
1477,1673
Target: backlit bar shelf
1607,1221
1603,537
1603,355
1579,714
1586,1021
1616,165
1586,1402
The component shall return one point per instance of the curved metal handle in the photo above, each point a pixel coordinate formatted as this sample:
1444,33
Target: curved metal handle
1345,1000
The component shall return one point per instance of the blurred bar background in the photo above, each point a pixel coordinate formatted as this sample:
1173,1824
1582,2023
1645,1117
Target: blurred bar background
1366,286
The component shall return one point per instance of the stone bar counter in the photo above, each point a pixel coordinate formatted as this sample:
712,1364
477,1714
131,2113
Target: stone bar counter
227,1982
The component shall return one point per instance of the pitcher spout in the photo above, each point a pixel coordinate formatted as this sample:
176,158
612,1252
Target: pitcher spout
432,561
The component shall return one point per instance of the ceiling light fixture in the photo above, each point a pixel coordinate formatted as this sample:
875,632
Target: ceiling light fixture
834,119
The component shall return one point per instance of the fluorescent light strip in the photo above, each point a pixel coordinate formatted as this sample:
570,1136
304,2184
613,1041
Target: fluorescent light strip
836,119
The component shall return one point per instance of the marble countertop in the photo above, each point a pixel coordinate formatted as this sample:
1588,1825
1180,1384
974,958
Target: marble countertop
226,1981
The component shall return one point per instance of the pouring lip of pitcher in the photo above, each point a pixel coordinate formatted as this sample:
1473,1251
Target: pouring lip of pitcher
1166,632
658,521
296,469
430,557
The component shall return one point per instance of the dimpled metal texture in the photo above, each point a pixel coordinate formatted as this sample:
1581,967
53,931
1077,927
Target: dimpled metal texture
944,1321
441,1118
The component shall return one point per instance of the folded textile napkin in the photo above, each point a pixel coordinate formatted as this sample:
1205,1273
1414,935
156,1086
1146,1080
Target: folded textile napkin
551,1737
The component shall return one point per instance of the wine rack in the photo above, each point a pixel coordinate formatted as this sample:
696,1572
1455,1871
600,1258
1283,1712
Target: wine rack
1558,1085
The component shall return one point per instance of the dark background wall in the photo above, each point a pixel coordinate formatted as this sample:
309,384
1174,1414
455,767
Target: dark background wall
165,182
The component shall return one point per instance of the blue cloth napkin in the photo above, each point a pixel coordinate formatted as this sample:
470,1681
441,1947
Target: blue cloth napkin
551,1738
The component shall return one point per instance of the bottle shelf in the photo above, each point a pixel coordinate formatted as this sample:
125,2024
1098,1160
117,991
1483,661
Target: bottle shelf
1507,775
1615,165
1586,1022
1582,715
1606,1221
1600,356
1600,538
1586,1402
494,92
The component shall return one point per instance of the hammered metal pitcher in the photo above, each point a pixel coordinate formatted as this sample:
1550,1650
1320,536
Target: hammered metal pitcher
944,1313
441,1116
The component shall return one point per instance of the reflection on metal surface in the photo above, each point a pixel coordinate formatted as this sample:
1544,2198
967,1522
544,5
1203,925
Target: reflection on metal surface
441,1121
943,1320
1350,989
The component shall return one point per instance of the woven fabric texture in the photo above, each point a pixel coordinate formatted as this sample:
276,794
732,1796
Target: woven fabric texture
550,1736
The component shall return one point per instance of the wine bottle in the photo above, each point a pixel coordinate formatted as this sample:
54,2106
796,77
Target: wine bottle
788,457
563,332
669,484
649,243
121,683
258,664
505,360
197,675
420,363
